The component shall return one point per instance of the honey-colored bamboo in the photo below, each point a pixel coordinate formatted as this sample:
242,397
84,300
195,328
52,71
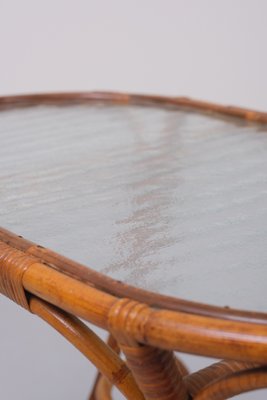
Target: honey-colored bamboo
200,379
147,327
163,329
103,390
102,387
89,344
239,382
154,369
120,289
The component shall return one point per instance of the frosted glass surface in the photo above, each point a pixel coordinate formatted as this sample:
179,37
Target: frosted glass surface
167,200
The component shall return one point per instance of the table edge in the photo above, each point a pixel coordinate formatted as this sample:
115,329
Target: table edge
99,280
71,98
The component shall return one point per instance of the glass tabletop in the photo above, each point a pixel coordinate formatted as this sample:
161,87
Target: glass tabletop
168,200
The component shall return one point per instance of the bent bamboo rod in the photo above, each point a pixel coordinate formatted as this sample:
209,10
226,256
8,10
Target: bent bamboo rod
201,335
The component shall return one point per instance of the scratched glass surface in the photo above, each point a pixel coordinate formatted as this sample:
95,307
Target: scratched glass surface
170,201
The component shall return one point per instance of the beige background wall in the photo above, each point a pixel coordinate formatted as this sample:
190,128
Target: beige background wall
208,49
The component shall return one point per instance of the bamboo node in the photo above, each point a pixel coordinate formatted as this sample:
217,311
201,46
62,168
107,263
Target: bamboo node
127,320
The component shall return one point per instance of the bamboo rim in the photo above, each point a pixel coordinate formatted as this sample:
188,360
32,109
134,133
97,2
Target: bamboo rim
101,281
71,98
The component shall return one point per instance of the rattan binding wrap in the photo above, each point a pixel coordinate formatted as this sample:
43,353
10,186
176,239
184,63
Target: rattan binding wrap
13,264
155,370
199,380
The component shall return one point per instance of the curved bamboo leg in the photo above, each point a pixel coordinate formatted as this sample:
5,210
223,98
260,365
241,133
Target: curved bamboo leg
102,356
202,378
237,383
92,395
155,370
101,387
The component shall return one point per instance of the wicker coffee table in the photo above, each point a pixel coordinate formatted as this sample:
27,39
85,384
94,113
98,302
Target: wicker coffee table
155,211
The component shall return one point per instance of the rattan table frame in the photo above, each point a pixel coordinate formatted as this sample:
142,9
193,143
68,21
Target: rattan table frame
147,327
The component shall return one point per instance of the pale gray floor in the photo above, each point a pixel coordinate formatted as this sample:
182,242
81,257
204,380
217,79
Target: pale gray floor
208,49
